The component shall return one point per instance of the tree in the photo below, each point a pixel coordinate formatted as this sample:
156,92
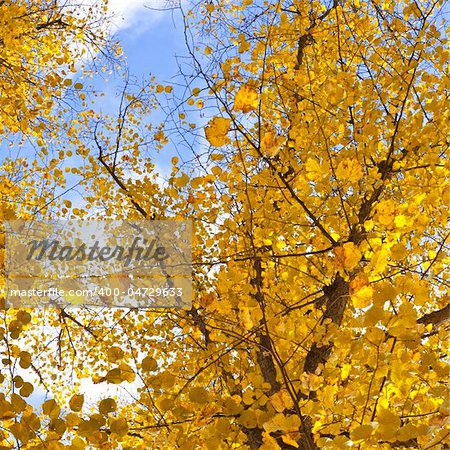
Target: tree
44,45
321,248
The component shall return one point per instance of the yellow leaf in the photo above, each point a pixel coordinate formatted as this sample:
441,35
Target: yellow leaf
87,427
26,389
149,364
282,423
269,143
347,256
216,170
345,371
399,251
281,401
361,433
363,297
246,318
389,423
119,427
248,418
379,261
232,405
246,99
114,376
107,405
18,403
198,395
181,181
76,402
349,169
409,431
159,136
270,443
114,353
127,372
314,171
289,441
78,443
51,408
25,360
216,131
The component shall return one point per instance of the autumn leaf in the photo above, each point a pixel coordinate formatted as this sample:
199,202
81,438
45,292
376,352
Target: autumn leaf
119,427
347,256
198,395
149,364
315,291
76,402
51,408
246,99
216,131
362,433
349,169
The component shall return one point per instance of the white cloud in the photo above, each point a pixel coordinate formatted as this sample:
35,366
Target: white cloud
133,15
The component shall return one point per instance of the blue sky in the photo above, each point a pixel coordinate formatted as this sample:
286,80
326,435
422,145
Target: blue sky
150,40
